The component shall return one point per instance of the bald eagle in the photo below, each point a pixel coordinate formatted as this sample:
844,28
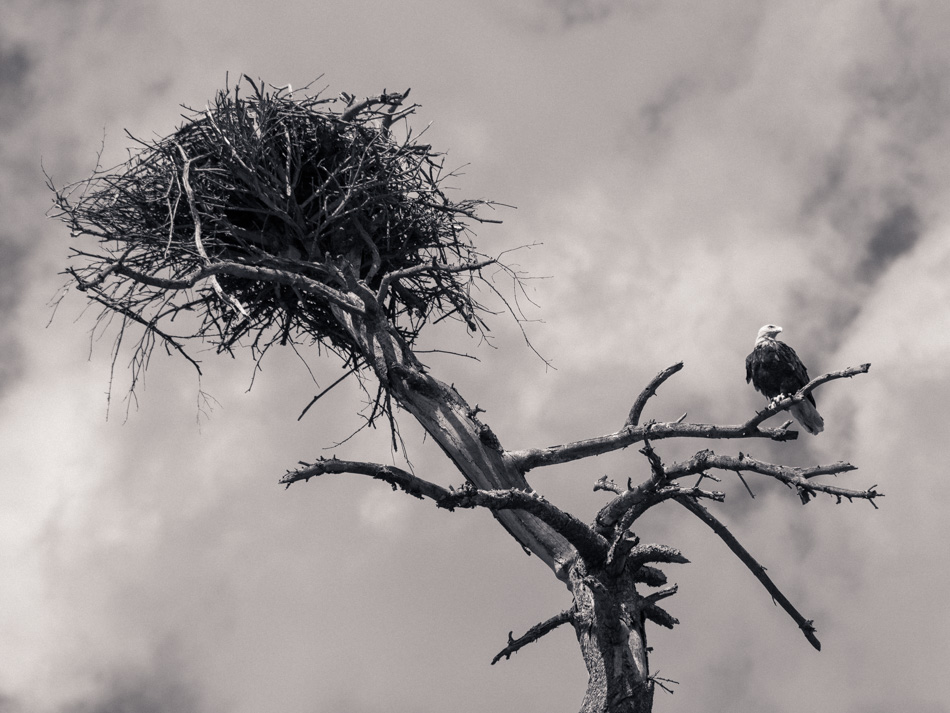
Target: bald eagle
774,368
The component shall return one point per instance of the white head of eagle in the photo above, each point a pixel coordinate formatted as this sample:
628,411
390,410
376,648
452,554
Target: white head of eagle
774,368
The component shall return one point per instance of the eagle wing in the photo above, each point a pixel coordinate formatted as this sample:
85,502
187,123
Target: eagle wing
774,368
796,375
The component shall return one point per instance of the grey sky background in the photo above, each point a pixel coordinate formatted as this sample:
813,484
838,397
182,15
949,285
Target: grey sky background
688,171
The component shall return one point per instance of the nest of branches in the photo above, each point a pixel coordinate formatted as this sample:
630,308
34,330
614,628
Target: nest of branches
247,223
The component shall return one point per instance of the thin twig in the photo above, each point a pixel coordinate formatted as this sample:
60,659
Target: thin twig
748,489
322,393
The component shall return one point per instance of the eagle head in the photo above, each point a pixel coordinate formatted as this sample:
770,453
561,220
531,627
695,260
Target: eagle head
769,331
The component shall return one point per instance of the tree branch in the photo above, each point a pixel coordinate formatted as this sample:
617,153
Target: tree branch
848,373
605,483
392,99
789,401
657,471
396,477
662,593
106,301
532,634
324,392
250,272
591,546
634,417
530,458
630,505
199,245
797,478
627,552
396,275
651,576
641,554
832,469
100,276
371,245
658,615
806,625
633,502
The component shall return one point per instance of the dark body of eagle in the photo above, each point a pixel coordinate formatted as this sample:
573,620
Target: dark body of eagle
774,368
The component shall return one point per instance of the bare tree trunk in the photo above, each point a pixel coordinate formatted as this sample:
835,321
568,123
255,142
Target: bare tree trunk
607,619
610,630
454,425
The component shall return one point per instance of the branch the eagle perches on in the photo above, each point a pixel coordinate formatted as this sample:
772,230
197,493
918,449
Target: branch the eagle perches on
608,540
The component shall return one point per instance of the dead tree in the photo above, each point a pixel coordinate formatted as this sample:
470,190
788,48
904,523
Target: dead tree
284,219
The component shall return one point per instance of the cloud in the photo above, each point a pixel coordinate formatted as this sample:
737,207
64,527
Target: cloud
893,236
12,260
15,66
582,12
157,690
692,175
381,511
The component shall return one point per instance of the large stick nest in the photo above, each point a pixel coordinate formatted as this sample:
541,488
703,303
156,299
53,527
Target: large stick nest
263,216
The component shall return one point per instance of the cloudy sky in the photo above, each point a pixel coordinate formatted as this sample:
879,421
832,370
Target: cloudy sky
686,173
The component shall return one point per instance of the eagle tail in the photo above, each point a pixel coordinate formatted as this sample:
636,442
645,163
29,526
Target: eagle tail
807,415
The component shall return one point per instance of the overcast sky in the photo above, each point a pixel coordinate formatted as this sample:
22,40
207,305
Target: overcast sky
686,171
